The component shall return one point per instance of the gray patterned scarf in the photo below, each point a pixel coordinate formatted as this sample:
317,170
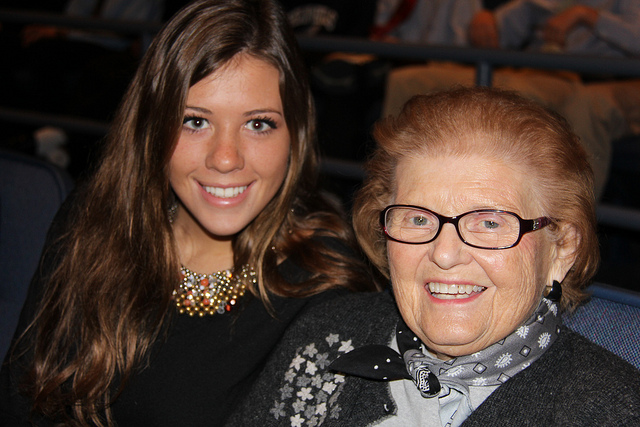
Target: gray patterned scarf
434,377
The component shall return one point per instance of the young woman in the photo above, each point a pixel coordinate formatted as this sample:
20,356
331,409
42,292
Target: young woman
172,274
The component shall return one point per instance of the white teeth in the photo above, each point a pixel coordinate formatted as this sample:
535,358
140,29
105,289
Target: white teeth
225,193
447,291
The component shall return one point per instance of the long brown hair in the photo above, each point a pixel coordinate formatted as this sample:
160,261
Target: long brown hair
513,129
109,296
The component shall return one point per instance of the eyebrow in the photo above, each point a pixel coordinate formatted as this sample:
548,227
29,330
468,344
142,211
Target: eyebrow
199,109
247,114
262,111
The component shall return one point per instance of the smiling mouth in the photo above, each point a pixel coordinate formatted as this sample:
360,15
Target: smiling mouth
453,291
225,193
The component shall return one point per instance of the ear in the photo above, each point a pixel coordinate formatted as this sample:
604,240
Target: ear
564,253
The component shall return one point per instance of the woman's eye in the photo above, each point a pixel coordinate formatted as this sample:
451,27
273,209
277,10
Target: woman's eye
195,123
261,125
419,221
490,225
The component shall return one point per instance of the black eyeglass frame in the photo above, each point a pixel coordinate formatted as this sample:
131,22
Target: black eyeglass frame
526,225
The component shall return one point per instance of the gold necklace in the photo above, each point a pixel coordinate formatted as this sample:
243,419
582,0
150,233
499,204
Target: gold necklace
212,293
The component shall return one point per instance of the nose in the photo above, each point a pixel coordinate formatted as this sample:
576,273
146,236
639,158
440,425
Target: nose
225,152
448,250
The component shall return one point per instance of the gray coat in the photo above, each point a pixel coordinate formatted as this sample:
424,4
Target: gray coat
575,383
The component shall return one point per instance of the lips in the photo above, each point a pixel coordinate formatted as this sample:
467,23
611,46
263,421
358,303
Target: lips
453,291
225,193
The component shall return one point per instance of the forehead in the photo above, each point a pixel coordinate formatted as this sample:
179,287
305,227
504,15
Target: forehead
451,184
246,74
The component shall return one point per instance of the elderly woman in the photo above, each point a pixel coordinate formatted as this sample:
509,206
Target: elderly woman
479,207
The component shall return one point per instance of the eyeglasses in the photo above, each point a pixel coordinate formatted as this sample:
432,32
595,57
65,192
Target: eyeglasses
484,228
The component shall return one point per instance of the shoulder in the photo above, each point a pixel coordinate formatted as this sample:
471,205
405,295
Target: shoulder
595,386
575,383
296,384
358,317
349,312
585,357
595,370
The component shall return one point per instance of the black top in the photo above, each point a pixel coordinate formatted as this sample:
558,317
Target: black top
206,365
195,373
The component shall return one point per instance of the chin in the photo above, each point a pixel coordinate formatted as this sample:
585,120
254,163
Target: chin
454,343
454,349
229,230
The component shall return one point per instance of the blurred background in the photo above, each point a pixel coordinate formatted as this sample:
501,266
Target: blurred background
65,64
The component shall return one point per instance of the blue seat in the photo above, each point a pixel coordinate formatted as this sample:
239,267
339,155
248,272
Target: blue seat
611,319
31,191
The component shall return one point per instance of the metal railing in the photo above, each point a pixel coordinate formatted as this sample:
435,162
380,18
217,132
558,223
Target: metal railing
485,61
80,22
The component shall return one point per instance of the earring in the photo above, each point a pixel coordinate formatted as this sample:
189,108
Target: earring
172,211
555,291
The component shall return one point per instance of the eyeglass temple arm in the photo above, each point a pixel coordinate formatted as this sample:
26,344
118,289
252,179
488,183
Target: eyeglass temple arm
535,224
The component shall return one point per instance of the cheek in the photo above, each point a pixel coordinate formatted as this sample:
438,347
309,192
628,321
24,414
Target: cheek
509,266
403,261
281,166
404,265
518,275
176,168
182,160
534,261
272,161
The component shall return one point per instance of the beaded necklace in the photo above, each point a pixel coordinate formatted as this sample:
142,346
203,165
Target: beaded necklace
212,293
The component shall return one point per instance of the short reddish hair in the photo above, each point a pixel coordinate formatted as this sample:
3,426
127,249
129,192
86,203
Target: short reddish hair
517,131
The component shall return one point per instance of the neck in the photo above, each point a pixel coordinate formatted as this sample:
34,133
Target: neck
199,250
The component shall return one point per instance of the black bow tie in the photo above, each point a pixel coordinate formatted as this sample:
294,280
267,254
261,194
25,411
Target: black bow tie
379,362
